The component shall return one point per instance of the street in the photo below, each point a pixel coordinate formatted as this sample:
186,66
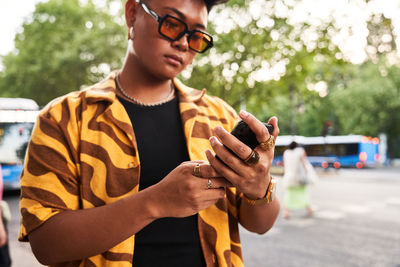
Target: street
356,223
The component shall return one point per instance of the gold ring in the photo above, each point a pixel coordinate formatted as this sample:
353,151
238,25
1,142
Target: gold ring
196,170
269,144
252,159
209,184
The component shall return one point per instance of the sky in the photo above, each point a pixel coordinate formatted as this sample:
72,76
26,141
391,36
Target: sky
12,14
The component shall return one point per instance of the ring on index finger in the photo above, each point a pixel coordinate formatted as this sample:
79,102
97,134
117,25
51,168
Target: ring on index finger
269,144
209,184
253,158
196,170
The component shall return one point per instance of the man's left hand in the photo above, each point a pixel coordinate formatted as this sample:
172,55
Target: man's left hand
252,180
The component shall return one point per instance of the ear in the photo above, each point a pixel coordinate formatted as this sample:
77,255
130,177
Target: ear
130,12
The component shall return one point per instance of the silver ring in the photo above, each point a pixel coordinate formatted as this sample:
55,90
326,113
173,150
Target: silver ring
209,184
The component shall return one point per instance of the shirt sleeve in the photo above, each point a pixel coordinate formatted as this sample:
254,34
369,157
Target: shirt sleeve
49,181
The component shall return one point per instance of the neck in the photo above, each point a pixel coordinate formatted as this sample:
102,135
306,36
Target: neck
141,85
120,89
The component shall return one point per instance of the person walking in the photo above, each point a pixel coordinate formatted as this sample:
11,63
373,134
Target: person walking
135,170
296,179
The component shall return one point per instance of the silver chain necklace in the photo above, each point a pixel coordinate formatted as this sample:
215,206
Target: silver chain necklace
168,98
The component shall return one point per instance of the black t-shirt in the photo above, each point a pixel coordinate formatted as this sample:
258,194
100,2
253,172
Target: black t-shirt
162,147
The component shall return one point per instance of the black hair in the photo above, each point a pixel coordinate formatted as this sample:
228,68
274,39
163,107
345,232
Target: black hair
211,3
293,145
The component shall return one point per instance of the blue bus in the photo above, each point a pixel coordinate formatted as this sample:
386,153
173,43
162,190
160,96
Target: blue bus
17,117
334,151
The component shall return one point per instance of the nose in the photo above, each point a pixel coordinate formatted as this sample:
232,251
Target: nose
182,43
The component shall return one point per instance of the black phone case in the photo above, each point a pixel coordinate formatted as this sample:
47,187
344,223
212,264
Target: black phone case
243,132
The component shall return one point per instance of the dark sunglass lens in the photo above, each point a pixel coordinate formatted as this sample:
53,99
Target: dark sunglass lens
172,28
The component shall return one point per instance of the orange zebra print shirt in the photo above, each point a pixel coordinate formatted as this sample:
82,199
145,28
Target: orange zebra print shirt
86,138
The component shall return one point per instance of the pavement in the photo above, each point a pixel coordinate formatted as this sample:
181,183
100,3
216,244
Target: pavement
356,223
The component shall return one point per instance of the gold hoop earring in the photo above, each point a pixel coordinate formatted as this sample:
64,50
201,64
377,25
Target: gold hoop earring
131,33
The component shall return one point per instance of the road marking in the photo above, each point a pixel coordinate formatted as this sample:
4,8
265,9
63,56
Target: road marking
356,209
329,215
300,222
376,205
393,201
274,231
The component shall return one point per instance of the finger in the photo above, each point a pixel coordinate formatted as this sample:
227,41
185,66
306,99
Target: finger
216,183
231,161
274,122
222,169
234,144
211,196
194,161
255,125
214,193
204,169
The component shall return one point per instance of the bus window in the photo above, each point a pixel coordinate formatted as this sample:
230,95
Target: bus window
343,150
352,149
17,117
315,150
279,151
14,138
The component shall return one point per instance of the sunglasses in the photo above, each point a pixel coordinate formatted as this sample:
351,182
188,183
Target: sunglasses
173,29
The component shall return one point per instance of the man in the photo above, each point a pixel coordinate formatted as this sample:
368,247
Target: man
123,174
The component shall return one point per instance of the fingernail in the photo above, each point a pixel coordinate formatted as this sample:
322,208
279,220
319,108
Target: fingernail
244,113
212,140
218,130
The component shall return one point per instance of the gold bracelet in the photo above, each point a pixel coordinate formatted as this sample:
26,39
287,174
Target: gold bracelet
269,195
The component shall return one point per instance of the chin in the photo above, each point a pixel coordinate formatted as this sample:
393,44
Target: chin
167,73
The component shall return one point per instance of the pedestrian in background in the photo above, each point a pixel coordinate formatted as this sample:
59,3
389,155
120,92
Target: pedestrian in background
5,259
297,176
122,173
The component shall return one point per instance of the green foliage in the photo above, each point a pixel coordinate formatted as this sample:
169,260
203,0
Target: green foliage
253,66
261,62
370,103
65,46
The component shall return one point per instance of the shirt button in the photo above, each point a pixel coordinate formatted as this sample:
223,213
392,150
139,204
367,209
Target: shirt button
131,165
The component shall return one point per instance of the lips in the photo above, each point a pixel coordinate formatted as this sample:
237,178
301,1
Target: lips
174,60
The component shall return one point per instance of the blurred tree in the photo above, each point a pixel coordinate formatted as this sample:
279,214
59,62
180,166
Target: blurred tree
270,65
264,60
65,45
381,37
372,98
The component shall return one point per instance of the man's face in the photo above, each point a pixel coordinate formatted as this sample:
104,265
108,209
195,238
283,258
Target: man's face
159,56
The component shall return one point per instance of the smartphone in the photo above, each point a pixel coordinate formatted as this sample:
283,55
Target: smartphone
243,132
